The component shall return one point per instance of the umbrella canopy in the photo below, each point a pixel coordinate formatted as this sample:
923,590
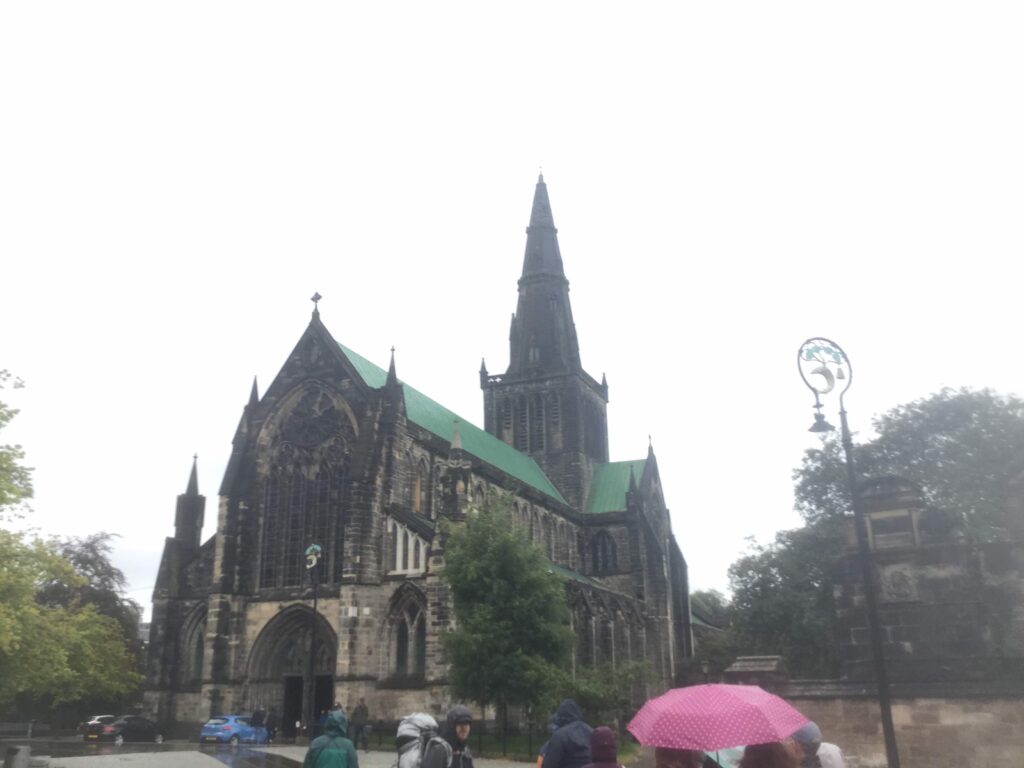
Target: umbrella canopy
714,716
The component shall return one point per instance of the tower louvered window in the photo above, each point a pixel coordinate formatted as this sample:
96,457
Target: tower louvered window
522,424
506,421
537,424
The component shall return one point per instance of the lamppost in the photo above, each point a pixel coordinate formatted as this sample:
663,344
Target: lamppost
313,553
822,363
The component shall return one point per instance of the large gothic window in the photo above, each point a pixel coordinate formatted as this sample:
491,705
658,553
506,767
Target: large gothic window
301,508
304,455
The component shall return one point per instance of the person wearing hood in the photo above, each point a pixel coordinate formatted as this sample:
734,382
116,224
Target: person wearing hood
569,746
456,736
603,751
332,749
812,752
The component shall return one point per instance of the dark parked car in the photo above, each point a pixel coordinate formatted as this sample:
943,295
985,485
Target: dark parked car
125,728
232,729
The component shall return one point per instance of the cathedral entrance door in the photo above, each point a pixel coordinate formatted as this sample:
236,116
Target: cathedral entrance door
324,696
292,708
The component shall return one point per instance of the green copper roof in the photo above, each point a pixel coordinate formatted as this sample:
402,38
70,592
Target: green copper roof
433,417
610,483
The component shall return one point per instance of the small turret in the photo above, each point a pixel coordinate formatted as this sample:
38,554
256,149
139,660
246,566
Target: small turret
188,516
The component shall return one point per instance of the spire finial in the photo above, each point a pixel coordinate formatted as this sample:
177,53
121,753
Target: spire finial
392,376
193,478
254,393
540,174
315,298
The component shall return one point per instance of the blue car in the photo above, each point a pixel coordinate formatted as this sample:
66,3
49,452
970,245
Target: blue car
232,729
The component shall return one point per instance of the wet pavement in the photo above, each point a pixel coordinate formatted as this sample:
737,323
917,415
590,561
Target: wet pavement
74,753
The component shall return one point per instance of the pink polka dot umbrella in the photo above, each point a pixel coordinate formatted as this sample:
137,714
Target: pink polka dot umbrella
714,717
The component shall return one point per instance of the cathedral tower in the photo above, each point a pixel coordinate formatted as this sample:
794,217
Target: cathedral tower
545,404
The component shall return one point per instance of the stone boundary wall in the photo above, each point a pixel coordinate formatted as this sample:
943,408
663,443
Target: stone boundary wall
937,726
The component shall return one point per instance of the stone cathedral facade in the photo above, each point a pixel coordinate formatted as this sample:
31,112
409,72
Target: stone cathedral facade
341,452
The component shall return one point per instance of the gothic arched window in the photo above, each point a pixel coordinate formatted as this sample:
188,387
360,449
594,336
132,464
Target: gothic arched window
603,549
409,630
193,643
421,490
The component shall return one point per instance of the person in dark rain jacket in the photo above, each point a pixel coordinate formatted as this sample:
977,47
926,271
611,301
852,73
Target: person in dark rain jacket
569,746
456,735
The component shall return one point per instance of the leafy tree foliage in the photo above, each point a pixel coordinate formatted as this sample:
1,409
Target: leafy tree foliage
53,655
963,447
15,478
604,693
512,624
782,599
101,583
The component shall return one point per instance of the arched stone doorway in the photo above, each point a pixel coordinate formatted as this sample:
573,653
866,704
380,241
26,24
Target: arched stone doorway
279,667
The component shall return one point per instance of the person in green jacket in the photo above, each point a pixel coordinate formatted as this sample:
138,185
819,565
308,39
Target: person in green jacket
333,749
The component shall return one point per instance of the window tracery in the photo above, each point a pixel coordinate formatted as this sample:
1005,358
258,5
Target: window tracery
407,551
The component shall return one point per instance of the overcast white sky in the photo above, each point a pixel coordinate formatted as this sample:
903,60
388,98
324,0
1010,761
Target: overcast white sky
728,179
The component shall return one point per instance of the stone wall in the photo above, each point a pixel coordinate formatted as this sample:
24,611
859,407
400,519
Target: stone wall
932,731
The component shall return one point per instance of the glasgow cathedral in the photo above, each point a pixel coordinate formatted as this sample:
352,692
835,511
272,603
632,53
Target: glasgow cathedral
341,452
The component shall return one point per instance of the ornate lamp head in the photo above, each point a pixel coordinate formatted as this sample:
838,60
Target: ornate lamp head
822,364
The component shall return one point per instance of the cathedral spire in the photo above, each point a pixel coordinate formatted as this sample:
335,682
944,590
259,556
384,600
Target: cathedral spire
542,253
542,338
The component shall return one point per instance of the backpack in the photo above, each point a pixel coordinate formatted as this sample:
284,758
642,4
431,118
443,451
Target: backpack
417,732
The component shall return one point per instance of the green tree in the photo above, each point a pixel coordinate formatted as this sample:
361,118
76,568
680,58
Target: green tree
15,478
53,656
605,693
782,599
101,583
511,634
962,447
